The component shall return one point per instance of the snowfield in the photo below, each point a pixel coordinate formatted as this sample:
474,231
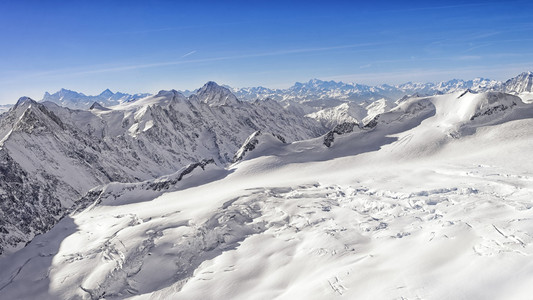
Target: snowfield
431,200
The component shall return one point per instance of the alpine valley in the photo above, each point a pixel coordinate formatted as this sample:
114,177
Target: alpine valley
323,190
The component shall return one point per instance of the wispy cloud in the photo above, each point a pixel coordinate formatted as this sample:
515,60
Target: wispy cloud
188,54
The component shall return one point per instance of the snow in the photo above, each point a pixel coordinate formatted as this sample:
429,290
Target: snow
430,202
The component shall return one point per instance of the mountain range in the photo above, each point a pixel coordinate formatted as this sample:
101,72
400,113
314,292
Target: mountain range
321,190
52,155
328,90
315,92
75,100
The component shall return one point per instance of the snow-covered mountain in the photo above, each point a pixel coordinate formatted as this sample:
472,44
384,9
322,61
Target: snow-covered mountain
520,84
75,100
352,112
51,155
333,102
326,90
317,96
428,200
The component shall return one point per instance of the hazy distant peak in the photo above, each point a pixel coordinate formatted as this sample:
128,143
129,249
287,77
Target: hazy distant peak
76,100
107,93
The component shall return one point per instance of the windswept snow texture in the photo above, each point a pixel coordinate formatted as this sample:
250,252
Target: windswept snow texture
431,200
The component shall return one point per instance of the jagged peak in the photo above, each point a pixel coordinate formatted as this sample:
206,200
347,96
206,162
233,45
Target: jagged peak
63,91
24,100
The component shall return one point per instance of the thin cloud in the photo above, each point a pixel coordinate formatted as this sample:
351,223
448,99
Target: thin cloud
188,54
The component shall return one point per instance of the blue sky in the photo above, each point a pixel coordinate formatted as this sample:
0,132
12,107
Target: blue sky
146,46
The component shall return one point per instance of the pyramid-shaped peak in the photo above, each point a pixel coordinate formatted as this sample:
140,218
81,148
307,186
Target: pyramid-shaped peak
107,93
97,106
211,86
216,95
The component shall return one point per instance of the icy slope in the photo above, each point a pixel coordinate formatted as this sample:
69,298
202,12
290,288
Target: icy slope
397,209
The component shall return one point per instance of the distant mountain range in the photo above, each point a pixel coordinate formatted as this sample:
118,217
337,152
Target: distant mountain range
316,93
315,89
75,100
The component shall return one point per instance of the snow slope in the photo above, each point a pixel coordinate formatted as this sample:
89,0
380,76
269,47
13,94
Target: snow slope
430,200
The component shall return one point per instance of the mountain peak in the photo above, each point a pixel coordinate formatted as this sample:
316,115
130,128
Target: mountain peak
107,93
63,91
97,106
172,94
211,84
519,84
23,100
216,95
